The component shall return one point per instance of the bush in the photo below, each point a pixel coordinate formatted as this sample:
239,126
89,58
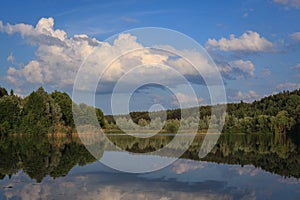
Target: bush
172,126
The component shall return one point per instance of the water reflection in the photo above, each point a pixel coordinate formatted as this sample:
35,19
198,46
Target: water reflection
204,180
240,167
265,151
98,184
41,156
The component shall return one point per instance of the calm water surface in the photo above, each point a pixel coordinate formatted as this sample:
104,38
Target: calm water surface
239,167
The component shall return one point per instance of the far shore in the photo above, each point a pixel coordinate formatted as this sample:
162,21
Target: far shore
114,132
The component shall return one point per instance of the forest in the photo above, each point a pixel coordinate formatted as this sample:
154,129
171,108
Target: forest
278,113
41,113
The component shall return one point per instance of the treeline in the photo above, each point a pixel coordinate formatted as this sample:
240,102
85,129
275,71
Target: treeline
40,113
277,113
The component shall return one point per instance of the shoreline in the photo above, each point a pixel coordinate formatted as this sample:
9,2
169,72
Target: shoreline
116,133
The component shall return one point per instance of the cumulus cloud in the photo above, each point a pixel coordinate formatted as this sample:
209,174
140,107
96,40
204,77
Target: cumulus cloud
43,33
243,68
288,86
236,69
186,100
296,67
295,36
33,72
289,3
245,96
58,58
249,41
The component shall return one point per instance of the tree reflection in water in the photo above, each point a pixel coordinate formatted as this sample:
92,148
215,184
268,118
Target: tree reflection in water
56,156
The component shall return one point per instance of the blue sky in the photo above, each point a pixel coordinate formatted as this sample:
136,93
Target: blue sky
255,44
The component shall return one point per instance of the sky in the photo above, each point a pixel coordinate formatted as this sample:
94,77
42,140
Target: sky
254,44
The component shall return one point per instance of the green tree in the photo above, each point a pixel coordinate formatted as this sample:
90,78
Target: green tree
100,117
247,124
264,122
65,104
40,113
172,125
3,92
10,110
231,124
85,115
282,122
142,122
5,128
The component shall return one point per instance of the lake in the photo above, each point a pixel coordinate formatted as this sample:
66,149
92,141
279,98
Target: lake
240,166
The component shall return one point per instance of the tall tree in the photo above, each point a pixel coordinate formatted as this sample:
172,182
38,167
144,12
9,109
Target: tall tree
65,104
3,92
40,112
10,110
282,122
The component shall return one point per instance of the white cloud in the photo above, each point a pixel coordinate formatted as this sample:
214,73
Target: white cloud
187,100
11,76
58,58
225,68
1,26
43,33
295,36
246,68
23,29
10,58
245,15
13,80
249,41
296,67
236,69
181,167
33,72
11,71
289,3
288,86
245,96
45,26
